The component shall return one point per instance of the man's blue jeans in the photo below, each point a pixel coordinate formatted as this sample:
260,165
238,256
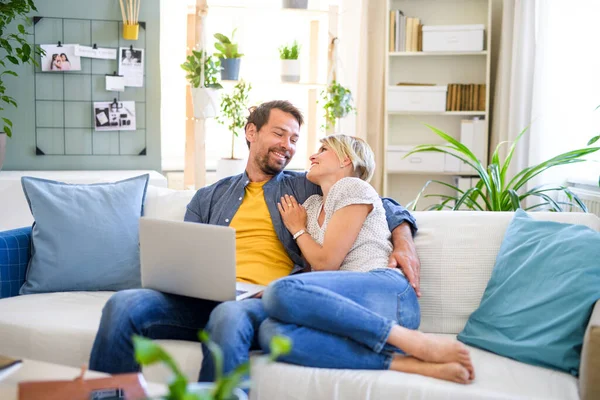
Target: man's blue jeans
339,319
156,315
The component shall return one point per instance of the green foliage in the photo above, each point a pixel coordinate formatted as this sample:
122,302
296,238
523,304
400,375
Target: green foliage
226,47
337,103
494,192
15,47
148,352
290,52
233,110
211,68
593,140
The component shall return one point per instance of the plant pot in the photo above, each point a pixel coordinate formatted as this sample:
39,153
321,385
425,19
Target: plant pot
229,167
290,70
205,387
230,69
2,148
295,3
206,102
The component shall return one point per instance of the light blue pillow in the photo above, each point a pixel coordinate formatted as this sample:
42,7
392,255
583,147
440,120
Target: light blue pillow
85,237
539,299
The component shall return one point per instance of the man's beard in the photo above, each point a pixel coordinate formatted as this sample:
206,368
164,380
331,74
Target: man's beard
267,168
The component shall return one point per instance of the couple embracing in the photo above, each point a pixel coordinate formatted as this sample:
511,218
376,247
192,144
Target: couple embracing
355,309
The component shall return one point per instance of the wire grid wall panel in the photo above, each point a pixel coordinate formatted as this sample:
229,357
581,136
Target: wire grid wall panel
64,118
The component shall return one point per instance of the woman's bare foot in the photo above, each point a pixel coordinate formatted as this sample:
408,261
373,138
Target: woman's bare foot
431,348
453,372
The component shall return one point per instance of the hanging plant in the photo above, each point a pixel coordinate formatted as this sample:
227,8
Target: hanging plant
195,68
337,103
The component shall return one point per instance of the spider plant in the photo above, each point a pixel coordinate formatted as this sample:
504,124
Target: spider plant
495,191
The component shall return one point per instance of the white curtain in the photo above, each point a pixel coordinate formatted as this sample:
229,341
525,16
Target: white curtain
173,31
566,87
514,83
548,79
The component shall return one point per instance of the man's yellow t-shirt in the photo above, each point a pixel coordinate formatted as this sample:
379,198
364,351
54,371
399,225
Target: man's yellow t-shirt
260,256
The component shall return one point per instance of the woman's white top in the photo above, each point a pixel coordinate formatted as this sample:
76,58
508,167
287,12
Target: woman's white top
372,247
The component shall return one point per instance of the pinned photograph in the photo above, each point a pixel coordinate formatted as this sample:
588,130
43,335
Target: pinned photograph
131,66
60,58
114,116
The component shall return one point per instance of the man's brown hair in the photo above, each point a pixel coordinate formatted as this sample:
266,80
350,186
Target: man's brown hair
259,116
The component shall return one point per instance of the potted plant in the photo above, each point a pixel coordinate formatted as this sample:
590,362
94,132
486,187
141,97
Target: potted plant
224,388
290,65
16,51
202,71
494,191
229,56
233,115
295,4
337,104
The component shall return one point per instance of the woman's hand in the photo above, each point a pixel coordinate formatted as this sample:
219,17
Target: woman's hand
292,213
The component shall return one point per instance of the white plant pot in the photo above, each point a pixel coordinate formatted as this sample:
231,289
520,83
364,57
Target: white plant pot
2,148
229,167
205,102
290,70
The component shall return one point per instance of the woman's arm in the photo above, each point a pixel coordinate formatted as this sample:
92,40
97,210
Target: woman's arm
342,231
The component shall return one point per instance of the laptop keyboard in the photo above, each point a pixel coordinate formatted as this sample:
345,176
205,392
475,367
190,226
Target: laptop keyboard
238,292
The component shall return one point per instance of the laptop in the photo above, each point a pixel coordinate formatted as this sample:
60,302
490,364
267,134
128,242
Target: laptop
191,259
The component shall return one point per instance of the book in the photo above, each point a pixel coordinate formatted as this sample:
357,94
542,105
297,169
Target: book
8,365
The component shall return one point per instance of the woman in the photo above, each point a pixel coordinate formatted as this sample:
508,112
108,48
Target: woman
344,235
66,64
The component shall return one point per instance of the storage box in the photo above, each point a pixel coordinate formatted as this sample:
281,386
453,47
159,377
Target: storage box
453,37
417,98
419,162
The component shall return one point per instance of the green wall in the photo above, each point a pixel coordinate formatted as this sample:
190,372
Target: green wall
21,149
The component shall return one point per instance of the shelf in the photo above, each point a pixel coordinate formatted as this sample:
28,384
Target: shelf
433,173
266,10
276,83
436,53
457,113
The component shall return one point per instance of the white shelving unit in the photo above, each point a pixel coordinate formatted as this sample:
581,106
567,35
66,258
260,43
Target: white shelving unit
440,68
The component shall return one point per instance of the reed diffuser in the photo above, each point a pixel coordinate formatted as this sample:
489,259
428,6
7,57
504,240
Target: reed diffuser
130,11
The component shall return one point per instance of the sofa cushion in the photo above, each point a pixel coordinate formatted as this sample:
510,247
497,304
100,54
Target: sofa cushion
85,237
496,378
14,258
163,203
538,301
457,252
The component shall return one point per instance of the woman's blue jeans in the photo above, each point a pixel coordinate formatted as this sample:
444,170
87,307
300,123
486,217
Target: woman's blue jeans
339,319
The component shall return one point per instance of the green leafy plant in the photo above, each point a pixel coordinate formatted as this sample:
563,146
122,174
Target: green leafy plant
337,101
233,110
226,47
289,52
194,68
494,191
148,352
15,48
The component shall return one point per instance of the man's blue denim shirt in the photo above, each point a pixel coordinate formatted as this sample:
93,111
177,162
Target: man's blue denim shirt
218,203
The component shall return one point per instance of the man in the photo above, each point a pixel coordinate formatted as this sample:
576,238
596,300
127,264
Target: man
265,251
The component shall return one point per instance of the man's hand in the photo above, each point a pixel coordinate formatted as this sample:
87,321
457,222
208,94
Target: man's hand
404,256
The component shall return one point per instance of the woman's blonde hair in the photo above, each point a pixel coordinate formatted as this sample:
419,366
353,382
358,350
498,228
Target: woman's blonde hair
357,150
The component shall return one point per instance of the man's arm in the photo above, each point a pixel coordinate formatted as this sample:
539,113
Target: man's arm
196,210
404,255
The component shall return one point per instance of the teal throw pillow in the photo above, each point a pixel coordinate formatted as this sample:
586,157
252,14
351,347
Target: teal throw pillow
538,301
85,237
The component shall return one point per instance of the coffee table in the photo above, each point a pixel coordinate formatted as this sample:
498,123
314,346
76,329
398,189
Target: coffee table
32,370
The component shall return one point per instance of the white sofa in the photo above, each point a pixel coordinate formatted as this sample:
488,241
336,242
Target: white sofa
457,252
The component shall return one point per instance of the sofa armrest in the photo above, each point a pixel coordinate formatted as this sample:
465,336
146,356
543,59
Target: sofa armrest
14,258
589,370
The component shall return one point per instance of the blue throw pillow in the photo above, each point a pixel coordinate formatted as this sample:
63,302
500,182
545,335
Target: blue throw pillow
85,237
539,299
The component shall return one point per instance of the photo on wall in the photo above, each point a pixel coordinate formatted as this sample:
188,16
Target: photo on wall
60,58
114,116
131,66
